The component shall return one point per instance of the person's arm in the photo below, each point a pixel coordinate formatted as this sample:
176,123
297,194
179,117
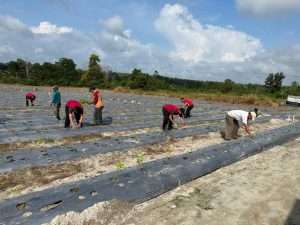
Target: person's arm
182,121
247,129
80,121
52,98
71,120
172,119
185,108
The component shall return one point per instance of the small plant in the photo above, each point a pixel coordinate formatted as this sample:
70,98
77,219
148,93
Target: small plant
84,101
140,158
120,165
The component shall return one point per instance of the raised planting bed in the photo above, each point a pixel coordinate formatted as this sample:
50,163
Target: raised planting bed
141,183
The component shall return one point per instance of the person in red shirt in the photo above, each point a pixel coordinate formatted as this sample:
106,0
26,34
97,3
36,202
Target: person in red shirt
30,97
98,103
74,111
188,106
169,111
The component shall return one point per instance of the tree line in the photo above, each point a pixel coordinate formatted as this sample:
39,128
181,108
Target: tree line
64,72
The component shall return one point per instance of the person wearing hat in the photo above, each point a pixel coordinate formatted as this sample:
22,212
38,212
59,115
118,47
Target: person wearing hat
233,120
56,101
169,113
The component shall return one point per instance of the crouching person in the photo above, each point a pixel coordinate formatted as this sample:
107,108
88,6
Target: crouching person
74,111
188,106
169,113
233,120
30,97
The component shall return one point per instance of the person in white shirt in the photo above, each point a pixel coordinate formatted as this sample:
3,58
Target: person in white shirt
233,120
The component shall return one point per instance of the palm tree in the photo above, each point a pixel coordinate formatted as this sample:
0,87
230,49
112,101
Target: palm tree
94,60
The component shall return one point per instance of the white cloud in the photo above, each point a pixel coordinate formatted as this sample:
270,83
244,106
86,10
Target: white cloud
115,25
195,42
267,7
8,23
46,27
217,59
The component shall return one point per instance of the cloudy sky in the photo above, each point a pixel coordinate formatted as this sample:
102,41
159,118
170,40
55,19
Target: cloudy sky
243,40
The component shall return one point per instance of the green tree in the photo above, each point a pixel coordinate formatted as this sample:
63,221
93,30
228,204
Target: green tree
227,86
66,71
94,75
294,89
137,79
273,82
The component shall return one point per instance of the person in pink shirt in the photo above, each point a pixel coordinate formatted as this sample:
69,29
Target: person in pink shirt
169,111
30,97
74,111
188,106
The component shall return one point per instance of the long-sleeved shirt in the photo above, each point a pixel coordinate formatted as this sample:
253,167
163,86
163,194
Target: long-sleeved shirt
56,98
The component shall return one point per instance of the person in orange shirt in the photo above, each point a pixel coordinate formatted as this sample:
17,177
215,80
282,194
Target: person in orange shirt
98,103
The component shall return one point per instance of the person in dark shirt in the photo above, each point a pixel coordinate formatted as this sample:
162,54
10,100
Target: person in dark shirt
169,111
74,111
30,97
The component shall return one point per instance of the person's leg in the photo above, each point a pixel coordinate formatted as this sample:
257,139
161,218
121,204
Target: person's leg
100,114
182,110
170,123
165,119
235,129
97,116
77,117
58,111
27,102
228,127
188,111
67,120
32,100
95,119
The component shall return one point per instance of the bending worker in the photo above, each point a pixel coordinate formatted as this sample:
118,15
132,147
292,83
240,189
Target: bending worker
30,97
98,103
188,106
56,101
169,113
74,111
232,120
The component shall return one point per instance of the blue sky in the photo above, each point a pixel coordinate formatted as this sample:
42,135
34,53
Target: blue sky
260,28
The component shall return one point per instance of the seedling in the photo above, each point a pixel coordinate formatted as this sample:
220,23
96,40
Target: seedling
140,158
84,101
120,165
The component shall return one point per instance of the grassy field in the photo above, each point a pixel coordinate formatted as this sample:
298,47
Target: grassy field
252,99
